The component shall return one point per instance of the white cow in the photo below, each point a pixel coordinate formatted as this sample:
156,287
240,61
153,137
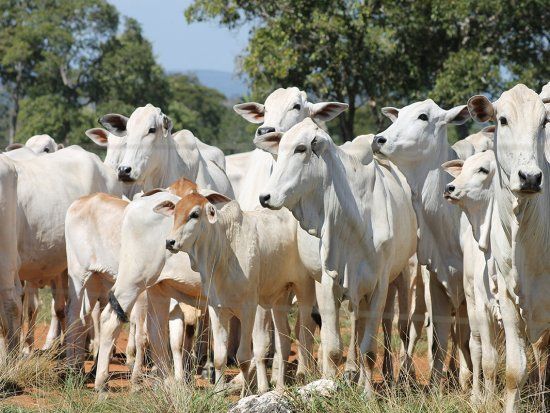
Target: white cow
472,190
475,143
10,301
365,242
38,144
416,142
520,231
245,259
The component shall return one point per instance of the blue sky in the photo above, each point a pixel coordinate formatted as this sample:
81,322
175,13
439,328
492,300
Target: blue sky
180,46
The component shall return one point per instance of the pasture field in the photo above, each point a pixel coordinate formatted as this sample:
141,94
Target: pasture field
38,384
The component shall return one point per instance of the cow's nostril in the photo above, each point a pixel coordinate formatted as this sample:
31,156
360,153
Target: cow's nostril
264,199
380,140
124,170
264,129
170,243
450,188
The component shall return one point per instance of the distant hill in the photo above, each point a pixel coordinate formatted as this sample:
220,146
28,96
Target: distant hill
227,83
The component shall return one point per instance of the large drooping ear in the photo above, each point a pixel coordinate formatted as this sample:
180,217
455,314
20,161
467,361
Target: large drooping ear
251,111
320,143
269,142
13,146
99,135
457,115
165,208
391,113
481,109
325,111
211,213
60,146
453,167
166,125
213,196
114,123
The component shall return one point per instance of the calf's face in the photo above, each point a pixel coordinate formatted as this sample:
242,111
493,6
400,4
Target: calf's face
285,108
521,120
473,179
295,172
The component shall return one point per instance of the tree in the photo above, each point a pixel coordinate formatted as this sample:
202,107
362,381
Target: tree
48,47
376,52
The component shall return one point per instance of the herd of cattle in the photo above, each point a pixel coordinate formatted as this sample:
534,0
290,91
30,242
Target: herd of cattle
167,226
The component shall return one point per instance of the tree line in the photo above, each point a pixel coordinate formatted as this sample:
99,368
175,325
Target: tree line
65,62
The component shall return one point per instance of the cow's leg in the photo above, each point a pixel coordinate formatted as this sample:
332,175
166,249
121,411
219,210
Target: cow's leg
219,321
140,310
158,310
373,317
121,300
351,368
516,345
233,339
387,321
489,352
463,337
176,328
476,353
261,340
131,345
328,299
306,330
30,310
75,335
95,316
281,337
188,338
402,284
59,298
416,321
441,318
244,353
540,352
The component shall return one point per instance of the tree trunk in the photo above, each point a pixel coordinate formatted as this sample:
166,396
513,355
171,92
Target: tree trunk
14,110
347,120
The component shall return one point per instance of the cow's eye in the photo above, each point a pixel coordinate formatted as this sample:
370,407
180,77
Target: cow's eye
46,150
482,170
300,149
423,116
297,106
153,130
194,215
503,121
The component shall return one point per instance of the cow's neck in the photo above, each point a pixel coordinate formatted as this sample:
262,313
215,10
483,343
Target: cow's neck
213,250
172,168
479,216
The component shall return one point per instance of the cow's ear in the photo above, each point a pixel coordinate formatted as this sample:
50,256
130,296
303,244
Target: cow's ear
14,146
481,109
165,208
320,143
453,167
457,115
214,197
211,213
269,142
60,146
251,111
166,125
99,135
114,123
391,113
325,111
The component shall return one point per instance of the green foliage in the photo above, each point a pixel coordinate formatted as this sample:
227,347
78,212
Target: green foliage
388,52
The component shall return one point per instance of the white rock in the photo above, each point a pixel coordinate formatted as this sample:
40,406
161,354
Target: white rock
270,402
322,387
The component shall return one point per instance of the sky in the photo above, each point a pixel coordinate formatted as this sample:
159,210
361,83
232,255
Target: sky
179,46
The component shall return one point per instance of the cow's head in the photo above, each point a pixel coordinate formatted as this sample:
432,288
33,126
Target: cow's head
284,108
416,132
148,138
521,119
41,144
115,144
192,216
296,173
